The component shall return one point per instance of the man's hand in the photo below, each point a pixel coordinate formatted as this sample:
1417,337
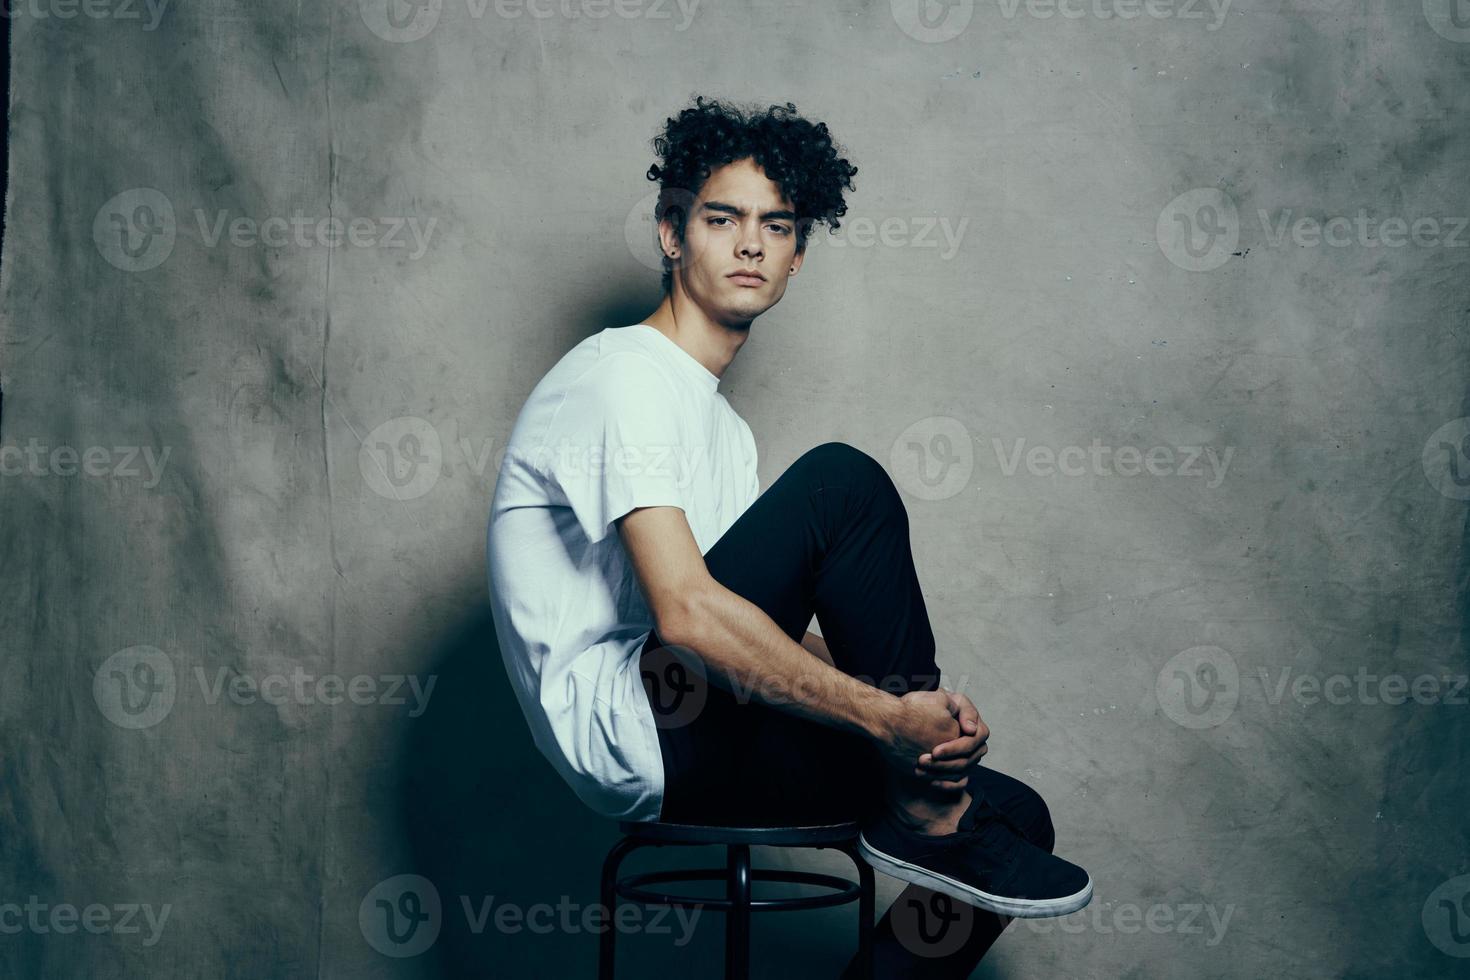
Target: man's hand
953,758
921,721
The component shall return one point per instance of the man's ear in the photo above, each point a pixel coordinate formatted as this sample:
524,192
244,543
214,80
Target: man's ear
796,261
669,239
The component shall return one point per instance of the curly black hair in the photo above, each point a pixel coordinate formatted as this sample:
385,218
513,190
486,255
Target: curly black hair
798,155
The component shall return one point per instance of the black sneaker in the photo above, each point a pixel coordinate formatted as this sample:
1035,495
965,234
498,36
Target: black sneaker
987,864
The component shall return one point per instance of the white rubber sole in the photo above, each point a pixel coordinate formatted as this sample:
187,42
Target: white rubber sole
1020,908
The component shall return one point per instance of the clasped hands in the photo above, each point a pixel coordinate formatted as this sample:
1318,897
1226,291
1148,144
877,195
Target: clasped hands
936,734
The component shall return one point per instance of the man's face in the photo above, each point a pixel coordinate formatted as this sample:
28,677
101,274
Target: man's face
739,222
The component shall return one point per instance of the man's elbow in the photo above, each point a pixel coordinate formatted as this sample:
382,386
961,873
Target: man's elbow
683,620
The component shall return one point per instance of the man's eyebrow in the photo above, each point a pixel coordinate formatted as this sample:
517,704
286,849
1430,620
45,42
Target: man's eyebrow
742,212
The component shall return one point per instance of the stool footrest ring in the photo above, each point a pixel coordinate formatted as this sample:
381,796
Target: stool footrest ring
843,890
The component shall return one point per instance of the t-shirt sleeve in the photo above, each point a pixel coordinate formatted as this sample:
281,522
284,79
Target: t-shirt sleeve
614,444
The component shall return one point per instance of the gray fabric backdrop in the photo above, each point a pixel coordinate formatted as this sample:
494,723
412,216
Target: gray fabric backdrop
1186,476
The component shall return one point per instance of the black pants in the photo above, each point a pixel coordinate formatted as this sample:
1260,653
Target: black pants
830,537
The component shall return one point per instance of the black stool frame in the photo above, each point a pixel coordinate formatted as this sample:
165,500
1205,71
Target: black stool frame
738,875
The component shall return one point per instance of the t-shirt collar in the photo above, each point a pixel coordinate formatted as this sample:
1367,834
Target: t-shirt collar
696,369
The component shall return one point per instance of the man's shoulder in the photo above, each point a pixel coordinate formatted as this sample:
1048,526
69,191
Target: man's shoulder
604,359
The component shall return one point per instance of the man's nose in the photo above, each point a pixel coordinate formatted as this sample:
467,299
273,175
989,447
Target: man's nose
750,242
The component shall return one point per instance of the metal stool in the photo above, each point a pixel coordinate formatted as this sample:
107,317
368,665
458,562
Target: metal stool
738,875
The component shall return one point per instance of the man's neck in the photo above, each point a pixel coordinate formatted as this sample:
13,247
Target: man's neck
712,344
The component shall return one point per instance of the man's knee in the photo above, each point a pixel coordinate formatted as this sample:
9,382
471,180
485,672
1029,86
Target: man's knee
1034,816
1022,805
844,461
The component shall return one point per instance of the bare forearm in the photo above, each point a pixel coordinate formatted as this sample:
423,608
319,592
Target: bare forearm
749,655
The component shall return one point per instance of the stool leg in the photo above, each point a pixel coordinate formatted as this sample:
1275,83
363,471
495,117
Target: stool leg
865,919
737,920
607,948
866,902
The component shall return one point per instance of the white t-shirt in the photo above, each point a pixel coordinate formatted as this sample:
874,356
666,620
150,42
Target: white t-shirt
627,418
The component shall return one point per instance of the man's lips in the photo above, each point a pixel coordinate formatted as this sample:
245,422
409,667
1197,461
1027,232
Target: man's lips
742,279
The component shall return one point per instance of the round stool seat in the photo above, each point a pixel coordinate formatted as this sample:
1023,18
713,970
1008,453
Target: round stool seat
819,835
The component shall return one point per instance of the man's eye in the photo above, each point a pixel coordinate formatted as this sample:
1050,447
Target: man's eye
719,218
780,228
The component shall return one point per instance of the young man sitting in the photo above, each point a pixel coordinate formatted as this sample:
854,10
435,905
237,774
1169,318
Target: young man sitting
652,603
